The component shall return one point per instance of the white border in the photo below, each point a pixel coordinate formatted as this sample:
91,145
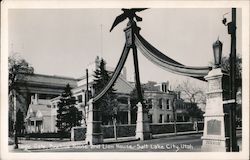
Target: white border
5,5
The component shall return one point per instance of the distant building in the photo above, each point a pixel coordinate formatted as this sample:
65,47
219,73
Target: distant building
161,102
38,119
164,104
41,87
37,88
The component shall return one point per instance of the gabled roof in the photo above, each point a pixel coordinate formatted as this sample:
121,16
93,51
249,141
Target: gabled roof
123,86
45,110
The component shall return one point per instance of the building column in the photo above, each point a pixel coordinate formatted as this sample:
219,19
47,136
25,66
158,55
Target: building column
94,130
129,111
216,134
35,125
142,125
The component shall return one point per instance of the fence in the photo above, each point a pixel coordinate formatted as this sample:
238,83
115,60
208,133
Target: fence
126,130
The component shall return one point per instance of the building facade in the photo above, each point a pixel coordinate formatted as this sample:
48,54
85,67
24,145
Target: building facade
160,101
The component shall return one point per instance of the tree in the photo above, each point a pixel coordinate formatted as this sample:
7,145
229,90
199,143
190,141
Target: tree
68,115
134,99
193,95
225,65
18,68
19,122
108,103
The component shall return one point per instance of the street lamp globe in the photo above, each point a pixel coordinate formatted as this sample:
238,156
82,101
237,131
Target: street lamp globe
217,48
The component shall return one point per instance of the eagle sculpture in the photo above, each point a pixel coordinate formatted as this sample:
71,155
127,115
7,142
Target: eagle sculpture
127,13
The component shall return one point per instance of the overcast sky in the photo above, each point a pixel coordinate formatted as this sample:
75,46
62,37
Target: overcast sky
64,41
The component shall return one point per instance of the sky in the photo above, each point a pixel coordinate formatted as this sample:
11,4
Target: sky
65,41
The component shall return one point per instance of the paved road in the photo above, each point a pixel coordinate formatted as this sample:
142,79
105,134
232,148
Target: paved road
184,143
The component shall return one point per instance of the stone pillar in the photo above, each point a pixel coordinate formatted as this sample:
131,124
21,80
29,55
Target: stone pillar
129,111
142,125
94,130
215,137
35,125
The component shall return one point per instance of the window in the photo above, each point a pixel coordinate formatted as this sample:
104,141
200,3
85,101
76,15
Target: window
160,103
164,87
168,104
149,102
168,118
32,123
161,118
79,98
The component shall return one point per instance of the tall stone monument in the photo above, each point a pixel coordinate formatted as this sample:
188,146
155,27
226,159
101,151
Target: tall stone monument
216,134
94,131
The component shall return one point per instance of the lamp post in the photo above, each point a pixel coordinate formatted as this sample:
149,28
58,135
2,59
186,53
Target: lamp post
217,48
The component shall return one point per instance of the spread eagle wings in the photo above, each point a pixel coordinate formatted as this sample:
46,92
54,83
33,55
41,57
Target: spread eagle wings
118,19
138,9
126,14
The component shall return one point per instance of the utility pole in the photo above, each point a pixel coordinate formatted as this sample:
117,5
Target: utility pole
232,32
174,114
15,123
87,87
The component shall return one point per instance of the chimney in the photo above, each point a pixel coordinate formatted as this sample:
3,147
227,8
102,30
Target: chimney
167,86
179,95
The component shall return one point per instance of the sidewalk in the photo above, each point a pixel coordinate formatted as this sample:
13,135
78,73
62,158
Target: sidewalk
39,144
175,134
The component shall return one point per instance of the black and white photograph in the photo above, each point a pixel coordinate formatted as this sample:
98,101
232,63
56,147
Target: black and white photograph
123,80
